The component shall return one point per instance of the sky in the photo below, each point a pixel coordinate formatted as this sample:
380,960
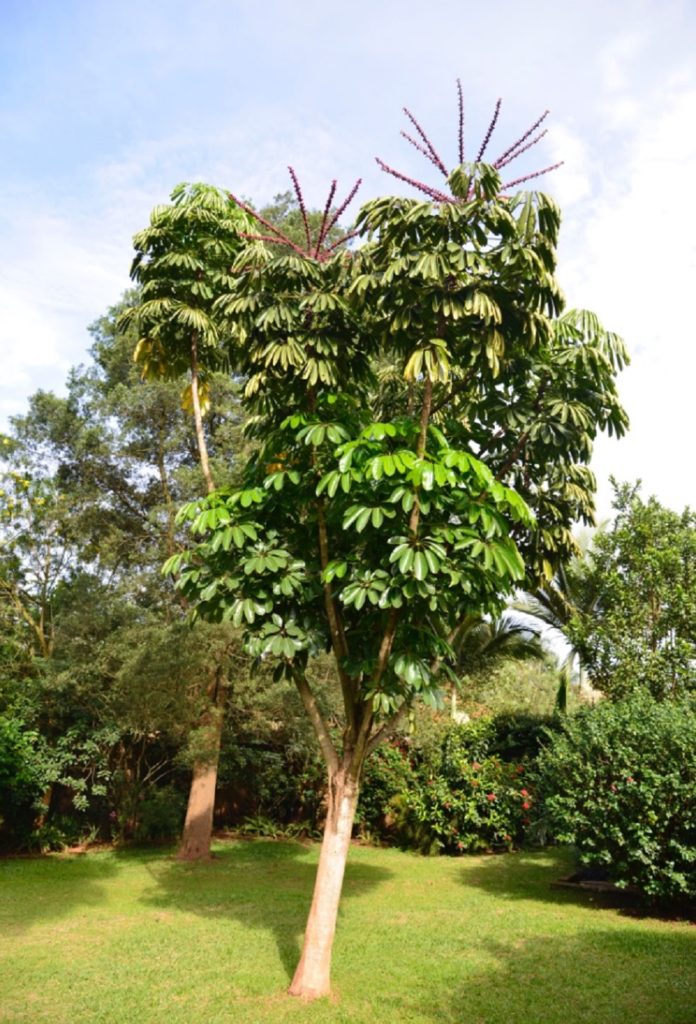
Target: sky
105,105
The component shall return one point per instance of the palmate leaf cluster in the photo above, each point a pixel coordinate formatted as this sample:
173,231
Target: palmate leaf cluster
463,554
382,507
183,264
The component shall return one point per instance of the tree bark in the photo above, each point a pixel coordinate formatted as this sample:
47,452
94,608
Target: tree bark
313,975
198,826
198,419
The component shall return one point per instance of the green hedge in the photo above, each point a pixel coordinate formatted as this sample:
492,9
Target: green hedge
619,782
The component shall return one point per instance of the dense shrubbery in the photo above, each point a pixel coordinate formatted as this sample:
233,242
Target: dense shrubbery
21,782
619,782
160,814
467,789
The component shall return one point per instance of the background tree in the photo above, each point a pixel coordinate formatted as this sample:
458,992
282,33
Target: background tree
117,455
554,606
182,264
641,629
371,538
480,644
183,261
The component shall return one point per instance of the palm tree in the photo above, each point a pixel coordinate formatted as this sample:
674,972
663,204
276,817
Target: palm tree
478,641
556,605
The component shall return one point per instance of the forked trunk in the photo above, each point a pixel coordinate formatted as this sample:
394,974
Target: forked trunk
198,827
313,975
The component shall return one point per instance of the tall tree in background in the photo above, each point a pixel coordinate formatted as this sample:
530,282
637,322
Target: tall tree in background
371,537
641,628
96,478
183,264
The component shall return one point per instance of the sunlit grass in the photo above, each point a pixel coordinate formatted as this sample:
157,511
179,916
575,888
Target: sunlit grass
120,938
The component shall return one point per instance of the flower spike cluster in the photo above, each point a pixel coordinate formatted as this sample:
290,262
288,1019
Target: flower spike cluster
427,149
315,246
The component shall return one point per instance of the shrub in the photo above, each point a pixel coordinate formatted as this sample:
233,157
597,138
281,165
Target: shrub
467,788
619,782
160,814
463,804
387,776
21,782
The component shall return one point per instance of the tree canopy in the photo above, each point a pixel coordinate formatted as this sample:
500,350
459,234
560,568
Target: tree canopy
641,629
425,413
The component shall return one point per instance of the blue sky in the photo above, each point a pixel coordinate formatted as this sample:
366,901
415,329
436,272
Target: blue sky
106,105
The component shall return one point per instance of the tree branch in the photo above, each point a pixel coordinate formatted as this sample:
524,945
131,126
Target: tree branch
455,390
388,728
315,716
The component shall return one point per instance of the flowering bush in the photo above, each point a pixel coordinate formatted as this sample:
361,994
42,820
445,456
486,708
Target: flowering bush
463,805
468,789
619,782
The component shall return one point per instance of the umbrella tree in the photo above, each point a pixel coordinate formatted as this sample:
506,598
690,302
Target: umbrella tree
374,515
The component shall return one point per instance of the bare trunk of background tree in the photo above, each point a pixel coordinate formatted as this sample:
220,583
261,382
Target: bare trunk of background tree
198,827
198,418
313,975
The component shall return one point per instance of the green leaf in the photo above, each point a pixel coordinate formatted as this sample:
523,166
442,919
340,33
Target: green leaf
420,565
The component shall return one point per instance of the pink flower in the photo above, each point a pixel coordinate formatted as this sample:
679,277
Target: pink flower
475,765
490,796
526,805
524,792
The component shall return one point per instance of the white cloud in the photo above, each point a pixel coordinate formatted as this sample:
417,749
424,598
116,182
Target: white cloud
71,257
634,262
573,181
59,279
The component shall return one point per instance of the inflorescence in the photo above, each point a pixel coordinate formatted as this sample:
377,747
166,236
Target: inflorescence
426,148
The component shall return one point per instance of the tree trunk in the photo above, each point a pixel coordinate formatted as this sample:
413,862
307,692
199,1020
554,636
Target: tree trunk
313,975
198,419
198,827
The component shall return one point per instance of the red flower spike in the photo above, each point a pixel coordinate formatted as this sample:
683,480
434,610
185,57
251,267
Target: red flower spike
315,248
460,97
427,149
491,129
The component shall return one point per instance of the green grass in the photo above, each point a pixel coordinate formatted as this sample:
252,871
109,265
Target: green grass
120,938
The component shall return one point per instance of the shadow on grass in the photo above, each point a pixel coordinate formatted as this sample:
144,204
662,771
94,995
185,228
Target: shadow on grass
623,976
263,884
35,889
531,875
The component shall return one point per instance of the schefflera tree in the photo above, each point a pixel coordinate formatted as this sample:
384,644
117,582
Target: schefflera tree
396,392
182,264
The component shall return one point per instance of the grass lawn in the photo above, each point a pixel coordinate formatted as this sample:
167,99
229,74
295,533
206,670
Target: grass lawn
126,937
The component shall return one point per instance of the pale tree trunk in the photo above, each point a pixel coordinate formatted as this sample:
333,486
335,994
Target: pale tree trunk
198,827
198,419
313,975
